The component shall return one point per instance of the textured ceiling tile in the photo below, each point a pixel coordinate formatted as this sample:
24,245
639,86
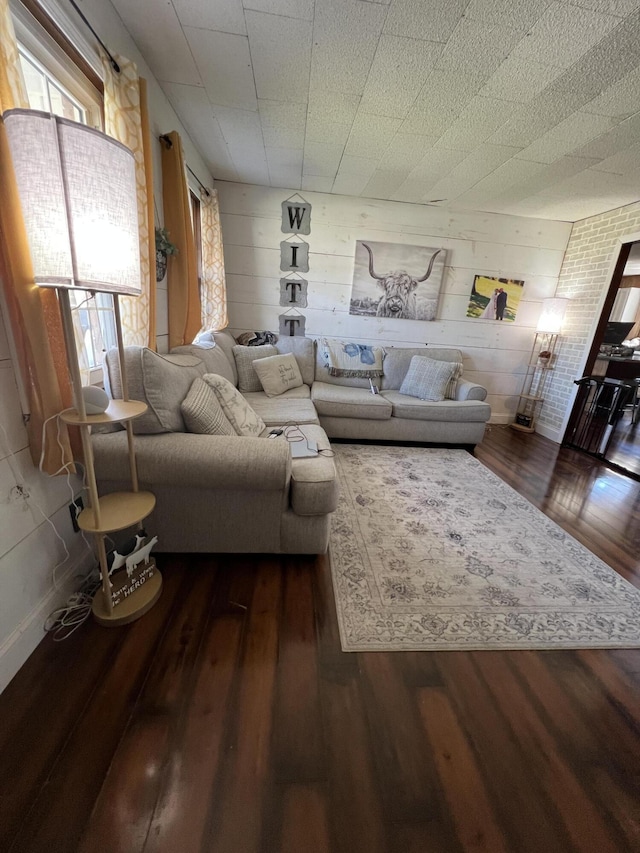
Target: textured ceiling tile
283,123
478,46
289,8
549,175
160,39
321,160
400,69
520,13
443,97
251,169
240,128
622,163
224,15
327,131
622,8
563,34
432,21
518,81
383,184
620,100
338,107
312,183
349,184
225,65
406,151
530,121
436,163
345,37
511,172
371,135
566,137
360,166
476,122
194,110
281,56
285,167
472,169
620,137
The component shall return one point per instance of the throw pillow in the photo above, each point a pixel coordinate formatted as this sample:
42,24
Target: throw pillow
245,356
450,393
427,378
278,374
239,413
203,413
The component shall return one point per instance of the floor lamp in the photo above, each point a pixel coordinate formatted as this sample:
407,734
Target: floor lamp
77,191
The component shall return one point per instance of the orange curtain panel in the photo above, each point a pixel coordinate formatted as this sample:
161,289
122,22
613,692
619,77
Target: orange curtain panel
182,272
34,317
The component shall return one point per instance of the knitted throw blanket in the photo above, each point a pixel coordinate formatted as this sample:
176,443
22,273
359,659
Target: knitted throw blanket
357,360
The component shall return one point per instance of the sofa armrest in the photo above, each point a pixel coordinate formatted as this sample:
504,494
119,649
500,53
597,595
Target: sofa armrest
236,463
470,391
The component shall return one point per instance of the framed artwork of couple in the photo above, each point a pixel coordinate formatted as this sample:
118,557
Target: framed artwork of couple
495,298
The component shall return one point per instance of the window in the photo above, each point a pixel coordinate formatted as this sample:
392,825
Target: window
55,84
197,234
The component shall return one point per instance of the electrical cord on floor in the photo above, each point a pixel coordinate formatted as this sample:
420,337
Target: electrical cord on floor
63,621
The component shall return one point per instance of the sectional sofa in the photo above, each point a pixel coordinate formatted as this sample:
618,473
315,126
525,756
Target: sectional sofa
221,493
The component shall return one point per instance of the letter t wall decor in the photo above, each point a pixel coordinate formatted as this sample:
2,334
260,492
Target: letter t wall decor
294,258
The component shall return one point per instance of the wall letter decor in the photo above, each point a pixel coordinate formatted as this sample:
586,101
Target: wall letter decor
292,325
296,217
294,256
293,292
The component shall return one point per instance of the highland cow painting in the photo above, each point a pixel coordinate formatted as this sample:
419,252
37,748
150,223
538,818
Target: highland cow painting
395,281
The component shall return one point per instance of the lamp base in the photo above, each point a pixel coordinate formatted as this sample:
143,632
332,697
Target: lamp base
132,608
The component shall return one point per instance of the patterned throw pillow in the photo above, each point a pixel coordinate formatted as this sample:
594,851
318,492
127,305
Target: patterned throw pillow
278,374
245,356
203,413
427,378
239,413
450,393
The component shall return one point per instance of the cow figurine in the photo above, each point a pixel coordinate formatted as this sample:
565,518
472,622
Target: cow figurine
398,298
140,556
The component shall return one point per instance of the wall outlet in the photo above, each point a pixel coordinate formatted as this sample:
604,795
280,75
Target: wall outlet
75,509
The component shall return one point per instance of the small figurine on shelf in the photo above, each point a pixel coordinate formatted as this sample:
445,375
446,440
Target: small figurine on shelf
544,357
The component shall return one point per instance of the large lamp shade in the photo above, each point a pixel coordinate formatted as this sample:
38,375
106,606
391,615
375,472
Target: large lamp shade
552,314
77,190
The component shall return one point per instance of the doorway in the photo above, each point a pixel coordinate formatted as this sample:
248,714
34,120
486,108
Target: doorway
608,403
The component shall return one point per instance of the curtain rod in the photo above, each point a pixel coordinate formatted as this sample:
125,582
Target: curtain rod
164,138
114,64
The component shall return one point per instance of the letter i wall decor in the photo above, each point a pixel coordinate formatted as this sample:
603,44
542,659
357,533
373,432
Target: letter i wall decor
294,259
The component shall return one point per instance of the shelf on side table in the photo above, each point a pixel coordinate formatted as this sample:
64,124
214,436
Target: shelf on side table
117,511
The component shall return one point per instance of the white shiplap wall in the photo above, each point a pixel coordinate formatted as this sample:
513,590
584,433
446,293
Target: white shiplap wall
495,354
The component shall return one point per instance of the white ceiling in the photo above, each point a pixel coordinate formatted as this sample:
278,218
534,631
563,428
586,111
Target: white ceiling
528,107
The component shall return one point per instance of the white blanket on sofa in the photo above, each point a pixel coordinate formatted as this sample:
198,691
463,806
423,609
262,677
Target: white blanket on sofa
350,359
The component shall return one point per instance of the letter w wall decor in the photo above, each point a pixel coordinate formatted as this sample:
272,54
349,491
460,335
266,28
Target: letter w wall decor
296,216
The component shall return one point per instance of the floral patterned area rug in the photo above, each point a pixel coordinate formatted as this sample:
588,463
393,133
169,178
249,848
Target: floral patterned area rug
431,550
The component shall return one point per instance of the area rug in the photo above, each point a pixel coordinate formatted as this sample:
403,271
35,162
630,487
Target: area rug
430,550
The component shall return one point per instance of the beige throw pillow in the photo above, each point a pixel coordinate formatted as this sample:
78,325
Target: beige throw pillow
245,357
450,393
203,413
238,412
427,378
278,374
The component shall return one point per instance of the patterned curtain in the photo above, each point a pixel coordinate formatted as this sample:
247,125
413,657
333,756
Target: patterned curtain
34,317
127,120
214,286
182,271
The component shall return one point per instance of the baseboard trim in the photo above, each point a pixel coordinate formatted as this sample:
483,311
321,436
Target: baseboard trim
549,432
26,636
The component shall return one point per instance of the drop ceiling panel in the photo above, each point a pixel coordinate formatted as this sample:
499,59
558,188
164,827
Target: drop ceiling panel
400,69
289,8
513,106
281,55
225,65
224,15
433,21
156,30
345,38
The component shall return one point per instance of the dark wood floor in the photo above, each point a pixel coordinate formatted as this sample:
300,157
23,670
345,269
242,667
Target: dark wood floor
228,719
624,449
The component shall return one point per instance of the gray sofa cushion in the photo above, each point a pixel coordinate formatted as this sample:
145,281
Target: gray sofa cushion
428,378
443,410
203,413
214,357
248,379
342,402
287,408
160,381
304,351
398,359
314,482
240,414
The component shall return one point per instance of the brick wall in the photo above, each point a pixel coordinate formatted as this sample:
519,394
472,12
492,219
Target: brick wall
584,278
